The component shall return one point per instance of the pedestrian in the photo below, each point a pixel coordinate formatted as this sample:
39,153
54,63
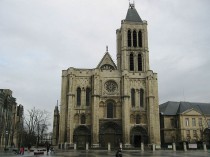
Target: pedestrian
48,148
119,153
22,150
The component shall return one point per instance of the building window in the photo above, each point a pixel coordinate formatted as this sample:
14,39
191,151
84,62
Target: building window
193,122
78,96
137,119
134,39
186,121
129,38
88,97
131,62
139,62
141,98
83,119
188,133
140,39
194,133
110,110
200,121
133,97
208,121
172,123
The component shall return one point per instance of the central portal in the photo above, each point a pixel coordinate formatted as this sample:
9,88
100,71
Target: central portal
110,132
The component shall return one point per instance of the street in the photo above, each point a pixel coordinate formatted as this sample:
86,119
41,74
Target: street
125,153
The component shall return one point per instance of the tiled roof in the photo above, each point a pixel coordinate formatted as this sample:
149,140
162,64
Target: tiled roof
174,108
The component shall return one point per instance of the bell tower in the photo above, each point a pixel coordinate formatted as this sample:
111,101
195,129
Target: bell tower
132,43
139,85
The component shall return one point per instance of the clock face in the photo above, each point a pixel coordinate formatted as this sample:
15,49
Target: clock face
111,86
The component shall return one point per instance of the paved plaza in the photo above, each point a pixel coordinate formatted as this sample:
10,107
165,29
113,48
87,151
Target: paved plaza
105,153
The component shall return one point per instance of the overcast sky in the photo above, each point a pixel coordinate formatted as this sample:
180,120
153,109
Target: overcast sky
40,38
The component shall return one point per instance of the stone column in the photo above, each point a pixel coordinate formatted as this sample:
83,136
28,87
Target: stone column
126,105
95,109
63,107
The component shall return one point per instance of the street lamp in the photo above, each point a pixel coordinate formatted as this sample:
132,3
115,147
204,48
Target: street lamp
6,137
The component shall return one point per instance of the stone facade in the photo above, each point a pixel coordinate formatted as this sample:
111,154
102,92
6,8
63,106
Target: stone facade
113,103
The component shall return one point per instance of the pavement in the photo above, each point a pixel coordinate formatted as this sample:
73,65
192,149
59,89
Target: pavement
106,153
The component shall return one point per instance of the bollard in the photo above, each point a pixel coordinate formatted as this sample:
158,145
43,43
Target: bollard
174,146
75,146
121,146
65,145
185,146
87,146
204,147
142,146
109,146
153,147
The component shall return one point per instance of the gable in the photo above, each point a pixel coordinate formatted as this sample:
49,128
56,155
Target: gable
192,112
107,63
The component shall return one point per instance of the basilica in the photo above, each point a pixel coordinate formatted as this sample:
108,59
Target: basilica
113,103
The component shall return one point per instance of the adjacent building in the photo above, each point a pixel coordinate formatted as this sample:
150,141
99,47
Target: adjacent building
113,103
185,122
11,119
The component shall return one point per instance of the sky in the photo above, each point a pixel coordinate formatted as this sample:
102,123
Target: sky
40,38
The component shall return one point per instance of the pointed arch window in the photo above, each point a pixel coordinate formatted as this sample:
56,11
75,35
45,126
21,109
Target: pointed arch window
83,119
131,62
78,96
129,38
140,39
110,110
134,39
137,119
88,96
141,98
133,97
139,62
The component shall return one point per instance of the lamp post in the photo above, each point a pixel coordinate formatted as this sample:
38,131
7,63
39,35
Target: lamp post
6,138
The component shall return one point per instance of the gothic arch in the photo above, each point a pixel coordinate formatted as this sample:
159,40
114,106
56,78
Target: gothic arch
110,132
138,134
81,136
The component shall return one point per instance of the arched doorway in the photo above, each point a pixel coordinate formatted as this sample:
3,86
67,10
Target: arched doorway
110,132
81,136
138,134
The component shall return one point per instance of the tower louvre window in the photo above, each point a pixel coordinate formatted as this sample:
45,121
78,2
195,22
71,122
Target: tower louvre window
141,98
78,96
88,97
131,62
134,39
133,97
129,38
139,62
140,39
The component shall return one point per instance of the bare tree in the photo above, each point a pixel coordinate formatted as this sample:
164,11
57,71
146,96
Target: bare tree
36,124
